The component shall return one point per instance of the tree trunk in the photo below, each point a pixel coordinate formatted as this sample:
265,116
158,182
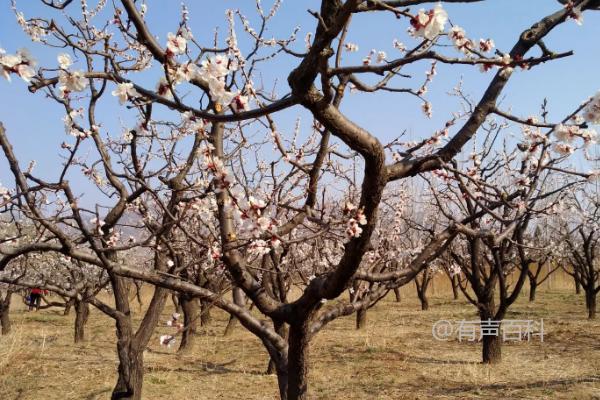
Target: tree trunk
424,300
280,361
492,349
230,326
130,345
205,316
361,318
455,290
176,303
298,364
577,285
82,311
492,344
131,372
238,299
282,330
590,303
282,383
68,306
4,313
191,318
397,295
532,289
422,291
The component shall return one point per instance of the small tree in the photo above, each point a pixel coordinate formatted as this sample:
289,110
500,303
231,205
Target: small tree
493,251
581,251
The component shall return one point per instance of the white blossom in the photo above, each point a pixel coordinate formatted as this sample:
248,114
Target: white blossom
64,60
176,44
591,113
429,24
351,47
72,81
125,91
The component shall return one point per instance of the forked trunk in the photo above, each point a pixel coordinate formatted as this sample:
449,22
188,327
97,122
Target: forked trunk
361,318
82,312
131,372
191,318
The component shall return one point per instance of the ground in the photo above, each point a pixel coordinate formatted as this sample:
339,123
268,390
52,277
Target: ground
395,357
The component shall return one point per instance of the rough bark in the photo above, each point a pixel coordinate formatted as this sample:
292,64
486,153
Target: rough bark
282,330
361,318
491,345
532,289
577,284
4,313
131,372
82,312
205,316
424,302
455,289
590,303
282,383
230,326
191,318
130,345
68,306
238,299
298,364
492,349
422,287
397,295
176,303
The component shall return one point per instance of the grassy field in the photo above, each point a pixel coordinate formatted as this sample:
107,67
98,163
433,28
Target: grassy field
395,357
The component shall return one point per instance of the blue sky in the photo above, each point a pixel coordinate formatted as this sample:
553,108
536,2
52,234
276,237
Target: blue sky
36,130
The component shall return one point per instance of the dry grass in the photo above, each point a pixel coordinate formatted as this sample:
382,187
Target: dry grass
394,358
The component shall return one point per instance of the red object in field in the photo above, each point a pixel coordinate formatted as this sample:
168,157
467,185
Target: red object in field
36,291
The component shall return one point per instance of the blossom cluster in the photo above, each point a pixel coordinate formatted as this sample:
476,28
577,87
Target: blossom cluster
464,44
213,71
32,28
591,113
429,24
4,194
357,218
124,92
20,63
73,128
